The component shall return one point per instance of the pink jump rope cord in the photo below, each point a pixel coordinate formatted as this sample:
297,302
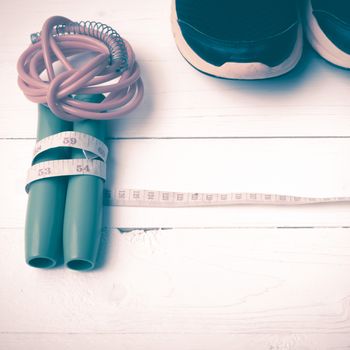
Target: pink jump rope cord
122,96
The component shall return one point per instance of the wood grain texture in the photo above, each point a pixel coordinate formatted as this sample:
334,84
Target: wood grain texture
282,289
241,278
183,341
306,167
179,101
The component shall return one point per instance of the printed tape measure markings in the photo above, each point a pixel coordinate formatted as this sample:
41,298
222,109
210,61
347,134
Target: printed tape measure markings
148,198
72,139
67,167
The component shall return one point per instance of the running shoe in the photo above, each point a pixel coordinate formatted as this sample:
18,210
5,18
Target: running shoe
239,39
327,26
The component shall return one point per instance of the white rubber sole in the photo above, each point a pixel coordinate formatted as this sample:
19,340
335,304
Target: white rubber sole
235,70
320,42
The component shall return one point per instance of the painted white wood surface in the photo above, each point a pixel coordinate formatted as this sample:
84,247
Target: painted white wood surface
237,278
305,167
180,102
191,289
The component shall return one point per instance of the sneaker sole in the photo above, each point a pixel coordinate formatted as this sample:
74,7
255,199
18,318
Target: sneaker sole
320,42
235,70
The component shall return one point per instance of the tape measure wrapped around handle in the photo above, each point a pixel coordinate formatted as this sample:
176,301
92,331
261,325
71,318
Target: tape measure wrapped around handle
67,212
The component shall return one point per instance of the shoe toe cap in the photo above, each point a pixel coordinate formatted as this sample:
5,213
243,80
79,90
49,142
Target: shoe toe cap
335,28
271,51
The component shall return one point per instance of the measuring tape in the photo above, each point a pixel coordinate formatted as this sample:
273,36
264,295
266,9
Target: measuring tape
93,148
147,198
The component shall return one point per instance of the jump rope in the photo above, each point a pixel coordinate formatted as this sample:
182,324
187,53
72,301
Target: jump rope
64,214
66,180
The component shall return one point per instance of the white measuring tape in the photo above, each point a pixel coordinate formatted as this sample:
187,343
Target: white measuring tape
91,147
94,148
147,198
65,167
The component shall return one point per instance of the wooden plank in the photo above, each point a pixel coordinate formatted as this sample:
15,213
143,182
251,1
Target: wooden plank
288,286
179,101
184,341
306,167
284,166
243,288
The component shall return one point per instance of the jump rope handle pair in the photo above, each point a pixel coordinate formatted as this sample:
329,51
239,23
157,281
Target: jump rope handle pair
64,213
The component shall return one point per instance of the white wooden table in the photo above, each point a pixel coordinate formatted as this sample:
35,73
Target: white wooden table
244,277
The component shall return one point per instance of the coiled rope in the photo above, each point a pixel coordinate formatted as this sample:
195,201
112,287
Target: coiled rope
112,70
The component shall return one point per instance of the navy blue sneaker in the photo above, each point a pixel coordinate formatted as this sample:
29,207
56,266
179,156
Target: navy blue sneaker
327,26
239,39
